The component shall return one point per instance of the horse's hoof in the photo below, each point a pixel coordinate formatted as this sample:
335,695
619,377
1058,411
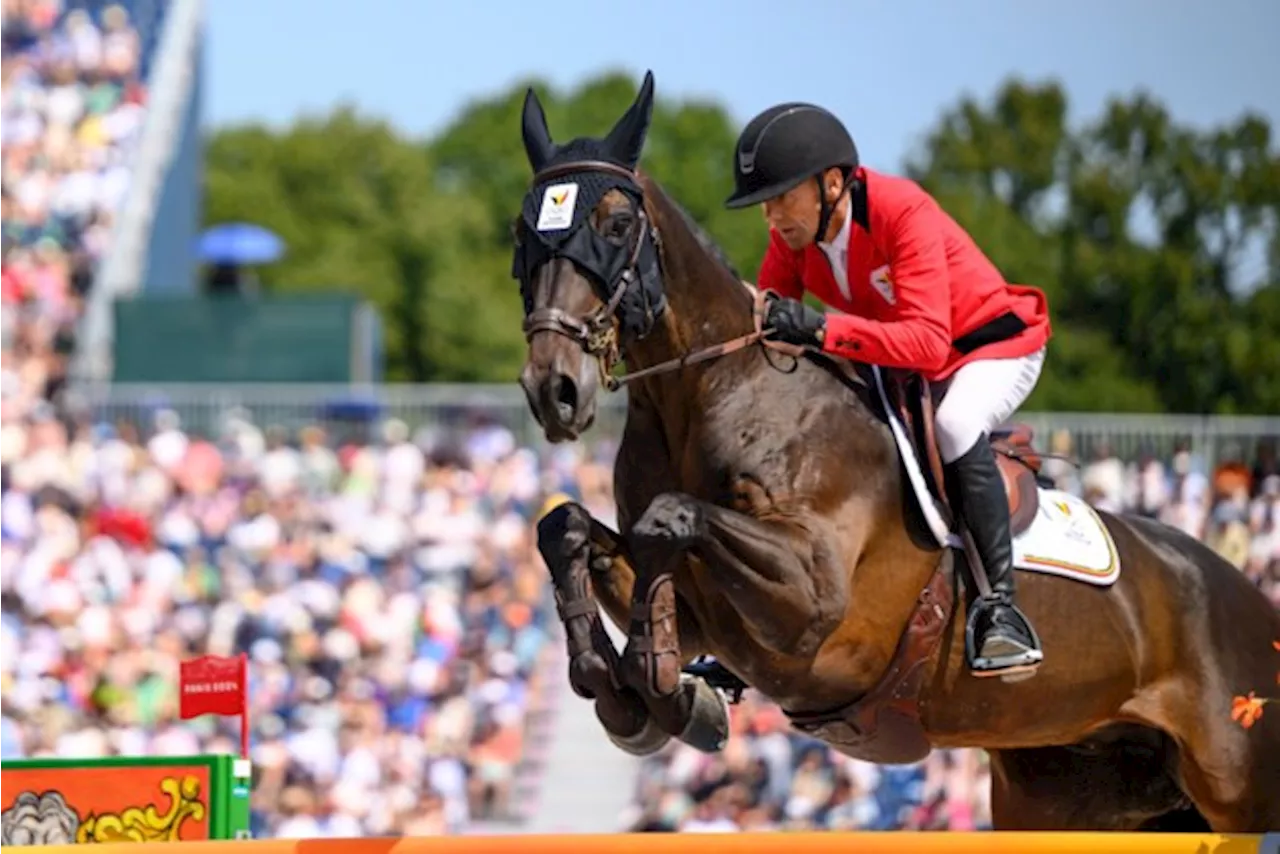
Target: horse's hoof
650,739
589,675
708,726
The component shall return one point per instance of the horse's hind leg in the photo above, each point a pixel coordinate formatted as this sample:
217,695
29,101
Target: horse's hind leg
1233,774
1121,780
1230,773
574,545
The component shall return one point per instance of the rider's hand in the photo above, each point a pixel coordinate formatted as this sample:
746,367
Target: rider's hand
794,322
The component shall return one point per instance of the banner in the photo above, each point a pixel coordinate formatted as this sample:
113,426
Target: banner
143,799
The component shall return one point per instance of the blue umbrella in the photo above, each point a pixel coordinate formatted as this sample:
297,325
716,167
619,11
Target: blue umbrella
240,243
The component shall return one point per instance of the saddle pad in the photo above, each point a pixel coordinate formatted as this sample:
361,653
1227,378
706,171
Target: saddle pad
1069,539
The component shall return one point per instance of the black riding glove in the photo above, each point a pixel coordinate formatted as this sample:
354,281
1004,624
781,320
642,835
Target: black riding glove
793,322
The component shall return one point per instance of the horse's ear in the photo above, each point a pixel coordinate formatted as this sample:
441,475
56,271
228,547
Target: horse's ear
537,139
626,140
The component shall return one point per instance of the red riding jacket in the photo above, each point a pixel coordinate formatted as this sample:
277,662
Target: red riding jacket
922,296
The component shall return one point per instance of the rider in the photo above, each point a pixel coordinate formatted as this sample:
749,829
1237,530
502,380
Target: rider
912,291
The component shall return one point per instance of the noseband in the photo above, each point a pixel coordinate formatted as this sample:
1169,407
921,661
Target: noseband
597,333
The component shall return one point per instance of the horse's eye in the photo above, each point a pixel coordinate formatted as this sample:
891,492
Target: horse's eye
620,225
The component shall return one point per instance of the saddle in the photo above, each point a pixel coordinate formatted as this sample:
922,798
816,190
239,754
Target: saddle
914,399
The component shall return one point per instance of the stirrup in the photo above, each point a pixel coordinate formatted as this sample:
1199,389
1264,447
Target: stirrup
1013,667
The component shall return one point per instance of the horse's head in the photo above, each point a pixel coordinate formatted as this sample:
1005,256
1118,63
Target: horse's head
587,261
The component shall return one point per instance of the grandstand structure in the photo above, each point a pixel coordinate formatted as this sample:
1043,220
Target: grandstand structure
155,229
370,546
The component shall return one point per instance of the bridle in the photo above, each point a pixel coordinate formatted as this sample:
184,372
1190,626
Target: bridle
597,333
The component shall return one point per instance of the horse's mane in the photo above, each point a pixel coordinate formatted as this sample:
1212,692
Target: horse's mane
705,240
699,233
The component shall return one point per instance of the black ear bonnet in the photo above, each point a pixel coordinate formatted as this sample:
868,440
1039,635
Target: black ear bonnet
569,182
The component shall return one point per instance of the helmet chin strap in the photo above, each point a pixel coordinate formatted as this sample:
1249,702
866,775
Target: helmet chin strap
827,209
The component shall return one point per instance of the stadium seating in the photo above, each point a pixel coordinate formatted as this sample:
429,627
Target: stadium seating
74,105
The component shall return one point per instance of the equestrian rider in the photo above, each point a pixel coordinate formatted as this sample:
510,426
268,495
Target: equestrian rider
911,291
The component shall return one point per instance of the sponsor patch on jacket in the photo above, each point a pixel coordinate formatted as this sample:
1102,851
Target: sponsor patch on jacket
882,281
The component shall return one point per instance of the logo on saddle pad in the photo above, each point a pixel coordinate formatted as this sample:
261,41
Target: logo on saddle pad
558,202
882,281
1076,528
1068,539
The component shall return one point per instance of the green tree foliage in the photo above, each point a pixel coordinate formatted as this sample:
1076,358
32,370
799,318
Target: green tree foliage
359,210
1157,244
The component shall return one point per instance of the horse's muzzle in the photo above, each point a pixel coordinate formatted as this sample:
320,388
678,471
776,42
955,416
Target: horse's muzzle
563,404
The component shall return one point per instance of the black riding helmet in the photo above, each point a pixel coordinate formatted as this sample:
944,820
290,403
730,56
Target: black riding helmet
785,145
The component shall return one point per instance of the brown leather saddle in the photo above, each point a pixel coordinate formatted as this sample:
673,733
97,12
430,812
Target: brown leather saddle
914,400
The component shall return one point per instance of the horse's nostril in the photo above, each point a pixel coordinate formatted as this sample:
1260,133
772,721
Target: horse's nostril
567,394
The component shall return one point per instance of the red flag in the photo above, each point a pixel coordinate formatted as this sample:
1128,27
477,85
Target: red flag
212,685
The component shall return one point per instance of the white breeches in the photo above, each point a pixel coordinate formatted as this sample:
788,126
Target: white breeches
981,397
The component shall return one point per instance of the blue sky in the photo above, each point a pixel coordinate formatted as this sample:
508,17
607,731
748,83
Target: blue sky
887,67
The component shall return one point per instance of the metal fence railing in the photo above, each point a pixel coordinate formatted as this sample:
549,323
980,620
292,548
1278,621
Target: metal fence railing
352,410
345,410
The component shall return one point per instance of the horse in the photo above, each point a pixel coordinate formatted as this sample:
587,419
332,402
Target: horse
784,512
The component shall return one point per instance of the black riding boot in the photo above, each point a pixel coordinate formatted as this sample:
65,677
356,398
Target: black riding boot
1003,639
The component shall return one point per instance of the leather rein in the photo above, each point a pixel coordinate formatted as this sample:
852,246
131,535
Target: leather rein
597,333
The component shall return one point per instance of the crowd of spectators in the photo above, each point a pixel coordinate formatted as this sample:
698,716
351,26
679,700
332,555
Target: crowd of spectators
770,777
73,108
1235,507
389,594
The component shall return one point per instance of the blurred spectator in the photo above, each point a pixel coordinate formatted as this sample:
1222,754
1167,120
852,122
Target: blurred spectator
72,112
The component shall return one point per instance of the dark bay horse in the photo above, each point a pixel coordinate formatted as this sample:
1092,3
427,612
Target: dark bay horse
767,517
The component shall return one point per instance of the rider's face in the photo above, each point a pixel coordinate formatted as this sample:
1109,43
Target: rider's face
795,214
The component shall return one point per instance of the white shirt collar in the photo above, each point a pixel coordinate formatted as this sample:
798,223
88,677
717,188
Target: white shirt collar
841,243
838,252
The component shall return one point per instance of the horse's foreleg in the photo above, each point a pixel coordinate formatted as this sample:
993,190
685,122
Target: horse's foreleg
789,590
613,580
576,549
781,578
683,705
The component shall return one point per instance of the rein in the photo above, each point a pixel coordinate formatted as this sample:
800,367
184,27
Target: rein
714,351
597,333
